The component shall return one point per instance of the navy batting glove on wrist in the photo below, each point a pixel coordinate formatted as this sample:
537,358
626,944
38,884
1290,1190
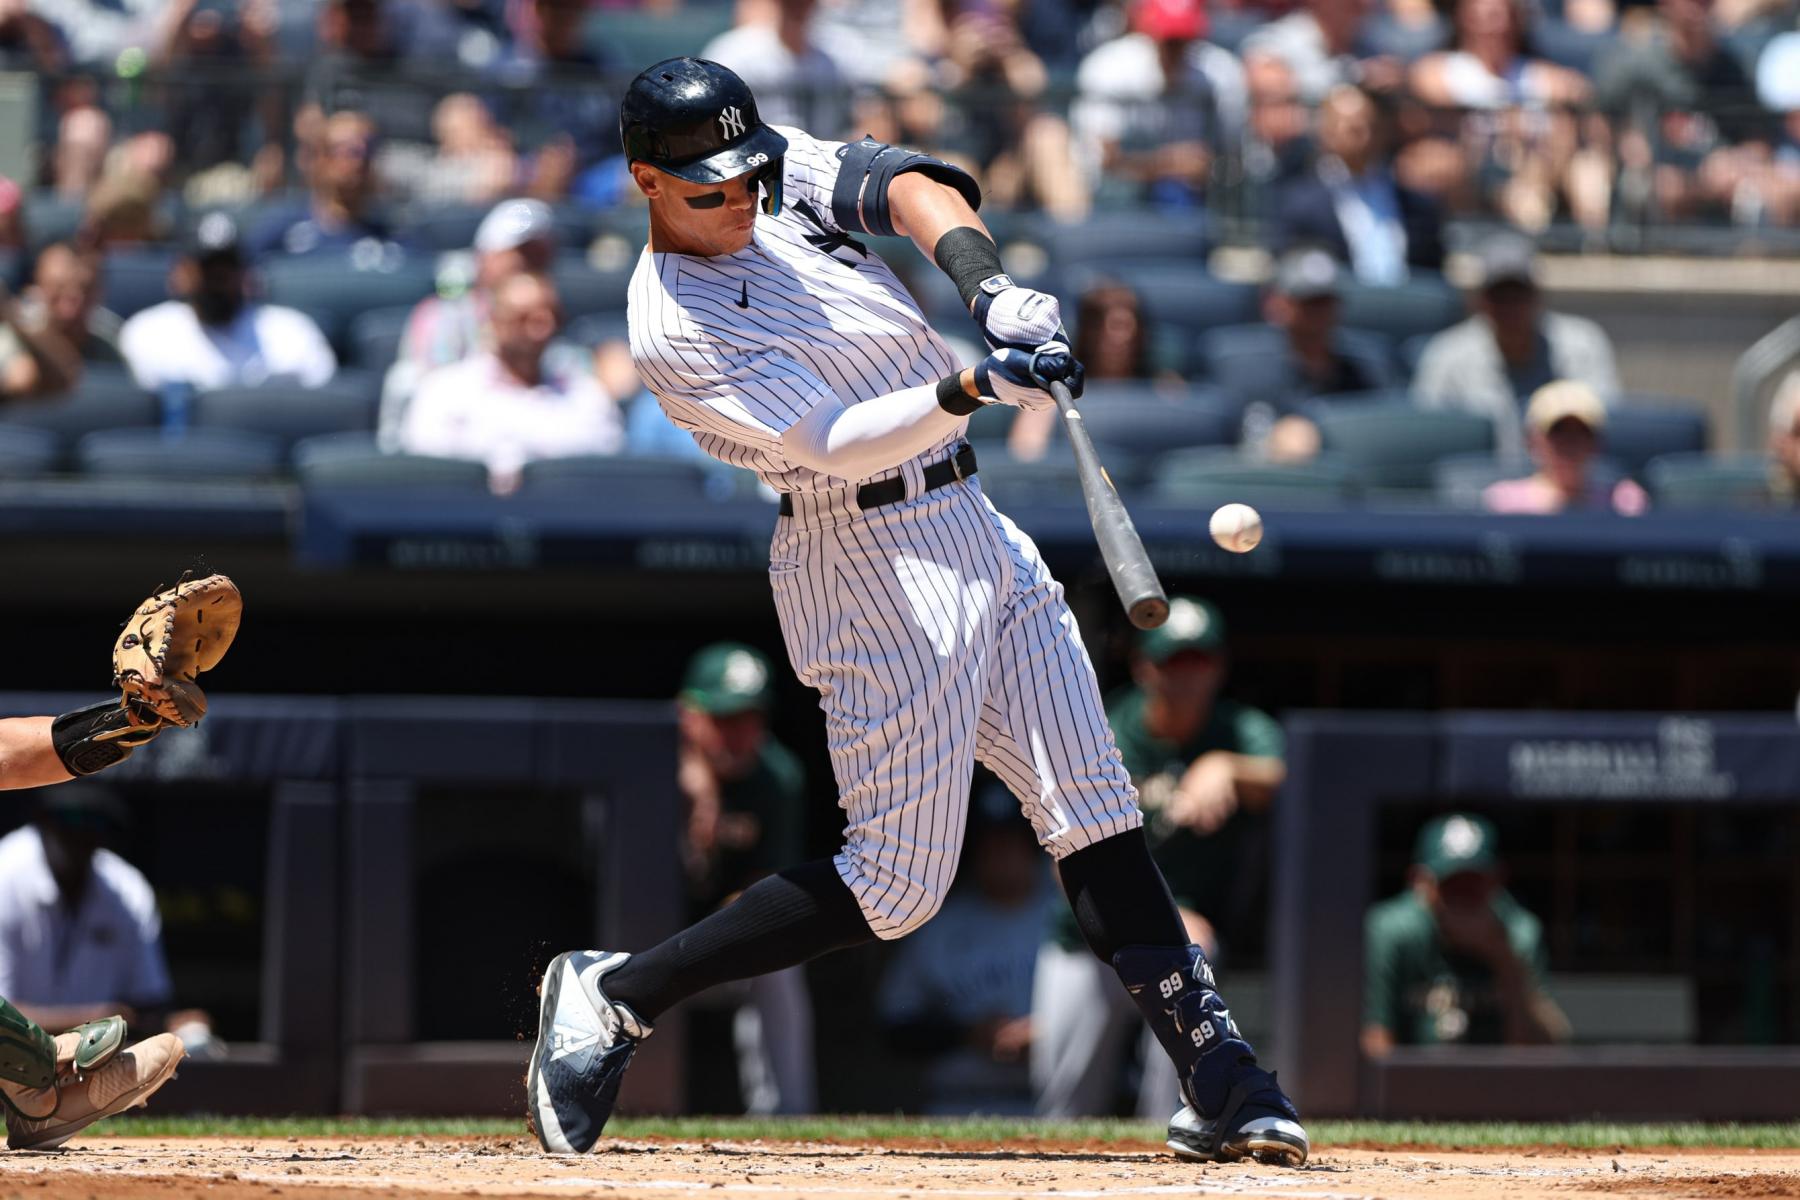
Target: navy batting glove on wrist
1022,378
1016,317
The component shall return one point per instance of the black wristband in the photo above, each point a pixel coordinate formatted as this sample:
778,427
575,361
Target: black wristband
952,399
968,256
91,739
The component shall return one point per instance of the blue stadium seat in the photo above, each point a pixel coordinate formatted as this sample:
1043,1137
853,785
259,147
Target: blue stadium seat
1250,363
25,451
1206,478
1181,302
375,337
1640,428
991,423
621,480
1425,303
1010,484
1141,420
50,217
352,460
334,289
452,226
106,398
199,454
1709,481
1115,240
136,278
586,289
595,328
286,411
1397,445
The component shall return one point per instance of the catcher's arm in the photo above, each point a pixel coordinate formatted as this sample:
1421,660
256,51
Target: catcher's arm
28,756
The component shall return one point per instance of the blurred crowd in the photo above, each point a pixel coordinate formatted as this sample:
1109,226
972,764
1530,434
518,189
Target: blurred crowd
278,239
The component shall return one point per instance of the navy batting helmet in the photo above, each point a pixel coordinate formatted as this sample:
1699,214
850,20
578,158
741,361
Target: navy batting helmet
697,120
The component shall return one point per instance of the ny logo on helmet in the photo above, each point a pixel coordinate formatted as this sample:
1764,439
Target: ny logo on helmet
731,122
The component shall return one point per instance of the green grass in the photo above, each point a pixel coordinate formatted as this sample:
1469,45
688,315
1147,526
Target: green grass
993,1130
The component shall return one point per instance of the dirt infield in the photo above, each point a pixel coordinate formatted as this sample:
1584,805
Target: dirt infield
413,1168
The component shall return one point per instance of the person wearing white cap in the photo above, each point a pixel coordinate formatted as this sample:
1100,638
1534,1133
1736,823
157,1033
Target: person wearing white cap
1564,424
515,236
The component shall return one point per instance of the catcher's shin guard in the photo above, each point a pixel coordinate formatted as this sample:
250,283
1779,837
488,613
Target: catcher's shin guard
27,1053
1235,1109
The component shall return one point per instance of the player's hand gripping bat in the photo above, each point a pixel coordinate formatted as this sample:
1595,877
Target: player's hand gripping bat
1139,590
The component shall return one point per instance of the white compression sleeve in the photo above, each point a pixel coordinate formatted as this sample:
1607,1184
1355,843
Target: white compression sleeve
868,438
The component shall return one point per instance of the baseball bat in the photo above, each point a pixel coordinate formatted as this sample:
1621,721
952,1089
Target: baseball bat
1133,577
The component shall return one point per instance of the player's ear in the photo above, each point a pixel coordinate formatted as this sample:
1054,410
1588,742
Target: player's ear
648,180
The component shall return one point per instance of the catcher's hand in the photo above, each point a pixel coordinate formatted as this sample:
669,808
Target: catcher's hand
168,641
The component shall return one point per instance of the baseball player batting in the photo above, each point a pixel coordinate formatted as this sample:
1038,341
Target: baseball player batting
53,1087
926,620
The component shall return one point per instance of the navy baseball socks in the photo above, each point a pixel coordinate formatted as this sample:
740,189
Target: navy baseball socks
585,1041
1233,1108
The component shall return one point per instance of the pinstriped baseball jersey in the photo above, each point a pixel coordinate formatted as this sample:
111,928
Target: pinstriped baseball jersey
930,627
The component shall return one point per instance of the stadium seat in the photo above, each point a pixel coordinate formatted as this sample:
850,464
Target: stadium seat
1181,302
286,411
1010,483
1640,428
375,337
1208,477
1250,363
50,217
1111,241
1397,445
620,480
25,451
1709,481
334,289
1460,479
586,289
106,398
1142,421
992,423
1423,304
135,278
352,460
595,328
199,454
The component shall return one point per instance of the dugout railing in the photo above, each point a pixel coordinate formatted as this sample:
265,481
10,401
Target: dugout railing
347,932
1343,768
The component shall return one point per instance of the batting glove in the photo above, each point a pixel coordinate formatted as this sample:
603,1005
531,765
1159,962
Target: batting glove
1022,378
1017,317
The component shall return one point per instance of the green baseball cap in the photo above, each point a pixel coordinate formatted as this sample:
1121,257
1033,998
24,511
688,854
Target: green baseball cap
1193,624
1456,843
726,678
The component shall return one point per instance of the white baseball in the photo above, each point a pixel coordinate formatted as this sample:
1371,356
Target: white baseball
1237,527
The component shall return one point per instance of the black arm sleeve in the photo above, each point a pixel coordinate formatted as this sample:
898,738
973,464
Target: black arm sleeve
859,202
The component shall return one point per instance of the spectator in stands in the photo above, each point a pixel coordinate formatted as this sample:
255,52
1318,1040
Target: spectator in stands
212,335
771,48
1152,103
58,327
217,148
1784,441
1707,141
46,337
1323,44
472,163
94,32
556,78
1564,426
512,402
1494,361
339,213
1454,958
1351,204
12,215
1277,142
958,994
1112,340
80,937
746,796
515,236
83,136
1520,129
122,210
28,41
1778,88
1206,768
1303,303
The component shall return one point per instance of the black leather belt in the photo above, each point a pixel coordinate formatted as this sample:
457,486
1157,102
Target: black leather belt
958,466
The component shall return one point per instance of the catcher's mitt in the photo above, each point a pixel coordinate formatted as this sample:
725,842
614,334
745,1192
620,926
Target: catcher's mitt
170,639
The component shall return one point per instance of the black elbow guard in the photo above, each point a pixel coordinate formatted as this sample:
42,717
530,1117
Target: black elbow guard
859,202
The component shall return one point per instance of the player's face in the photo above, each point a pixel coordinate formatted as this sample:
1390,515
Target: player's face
1188,678
698,218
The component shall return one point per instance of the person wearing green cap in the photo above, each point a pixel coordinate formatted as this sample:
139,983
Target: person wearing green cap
1455,958
744,793
1205,767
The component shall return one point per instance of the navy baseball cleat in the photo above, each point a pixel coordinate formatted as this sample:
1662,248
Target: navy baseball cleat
585,1042
1232,1108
